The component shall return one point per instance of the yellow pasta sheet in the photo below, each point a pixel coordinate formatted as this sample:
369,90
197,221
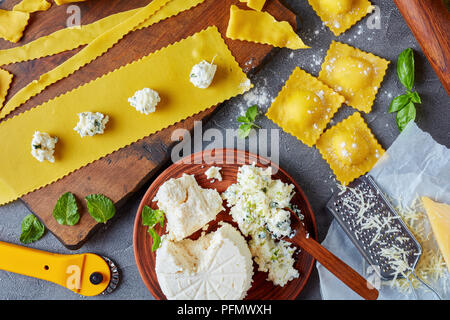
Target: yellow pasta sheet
355,74
166,71
12,24
261,27
71,38
5,82
341,15
92,51
350,148
255,4
60,2
31,6
304,107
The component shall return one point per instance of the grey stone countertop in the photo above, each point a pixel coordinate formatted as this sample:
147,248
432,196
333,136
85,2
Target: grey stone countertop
304,164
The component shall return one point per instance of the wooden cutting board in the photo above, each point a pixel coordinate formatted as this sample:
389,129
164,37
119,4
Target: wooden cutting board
124,171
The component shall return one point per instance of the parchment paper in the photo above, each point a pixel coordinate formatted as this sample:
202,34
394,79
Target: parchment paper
415,165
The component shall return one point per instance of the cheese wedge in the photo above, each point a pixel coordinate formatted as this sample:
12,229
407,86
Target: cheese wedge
217,266
439,217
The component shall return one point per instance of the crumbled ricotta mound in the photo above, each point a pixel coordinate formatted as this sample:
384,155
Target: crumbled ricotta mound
145,100
217,266
187,206
91,123
214,173
202,74
257,204
43,146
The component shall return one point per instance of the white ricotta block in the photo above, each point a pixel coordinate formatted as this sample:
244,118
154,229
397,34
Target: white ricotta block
187,206
217,266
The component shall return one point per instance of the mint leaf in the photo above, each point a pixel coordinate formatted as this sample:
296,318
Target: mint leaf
405,68
244,130
156,239
405,115
415,97
151,217
243,119
251,113
32,229
399,102
66,210
100,208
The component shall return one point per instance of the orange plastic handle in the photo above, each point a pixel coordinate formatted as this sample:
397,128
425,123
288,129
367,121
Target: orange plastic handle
70,271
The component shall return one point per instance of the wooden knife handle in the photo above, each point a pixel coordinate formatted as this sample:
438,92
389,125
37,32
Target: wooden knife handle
336,266
429,21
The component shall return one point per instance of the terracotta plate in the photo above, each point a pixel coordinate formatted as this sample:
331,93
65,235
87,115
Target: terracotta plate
230,161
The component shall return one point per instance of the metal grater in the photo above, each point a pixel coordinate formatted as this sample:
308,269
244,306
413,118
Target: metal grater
342,206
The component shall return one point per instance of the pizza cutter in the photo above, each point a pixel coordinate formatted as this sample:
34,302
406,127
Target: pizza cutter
87,274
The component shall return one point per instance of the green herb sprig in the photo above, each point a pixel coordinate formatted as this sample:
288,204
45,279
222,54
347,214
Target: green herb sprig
66,210
31,229
404,104
151,217
100,207
248,122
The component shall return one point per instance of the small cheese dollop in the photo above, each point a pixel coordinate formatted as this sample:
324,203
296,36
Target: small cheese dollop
43,146
91,123
145,100
213,173
202,74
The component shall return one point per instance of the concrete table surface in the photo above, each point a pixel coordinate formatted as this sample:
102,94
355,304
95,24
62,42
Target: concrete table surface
303,163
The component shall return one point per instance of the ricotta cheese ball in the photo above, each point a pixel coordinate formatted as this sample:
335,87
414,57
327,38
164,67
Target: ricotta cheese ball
217,266
91,123
43,146
257,203
202,74
213,173
145,100
187,206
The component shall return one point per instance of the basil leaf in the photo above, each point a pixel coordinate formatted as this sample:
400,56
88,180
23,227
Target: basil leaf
243,119
405,115
405,68
399,102
415,97
251,113
100,207
150,217
244,130
66,210
32,229
156,239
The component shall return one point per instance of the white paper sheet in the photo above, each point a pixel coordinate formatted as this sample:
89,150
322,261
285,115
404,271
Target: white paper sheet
415,165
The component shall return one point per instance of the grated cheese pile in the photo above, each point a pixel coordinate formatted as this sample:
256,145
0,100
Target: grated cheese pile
431,266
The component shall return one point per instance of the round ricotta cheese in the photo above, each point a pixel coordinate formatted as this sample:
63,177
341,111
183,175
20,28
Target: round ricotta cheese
217,266
202,74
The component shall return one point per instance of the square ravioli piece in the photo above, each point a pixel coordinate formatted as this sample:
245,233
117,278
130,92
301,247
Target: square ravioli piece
304,107
350,148
341,15
355,74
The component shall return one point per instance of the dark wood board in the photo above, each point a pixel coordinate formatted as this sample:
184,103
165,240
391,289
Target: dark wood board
230,162
121,173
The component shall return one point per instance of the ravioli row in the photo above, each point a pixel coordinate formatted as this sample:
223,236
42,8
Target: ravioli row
306,105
